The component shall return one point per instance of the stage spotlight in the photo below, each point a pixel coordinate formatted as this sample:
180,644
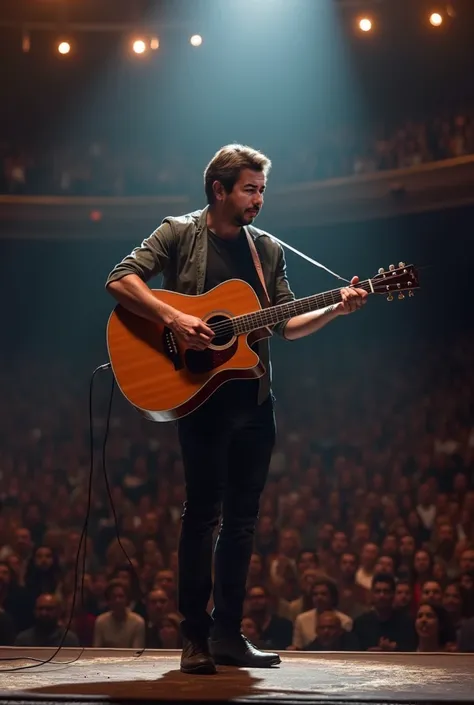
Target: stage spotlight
365,25
139,46
154,43
196,40
436,19
64,48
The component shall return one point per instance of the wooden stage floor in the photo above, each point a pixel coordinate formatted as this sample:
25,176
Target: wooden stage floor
101,675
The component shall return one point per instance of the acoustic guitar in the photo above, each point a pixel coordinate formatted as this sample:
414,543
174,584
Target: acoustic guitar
165,381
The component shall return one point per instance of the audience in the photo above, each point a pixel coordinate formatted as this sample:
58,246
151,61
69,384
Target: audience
101,169
365,539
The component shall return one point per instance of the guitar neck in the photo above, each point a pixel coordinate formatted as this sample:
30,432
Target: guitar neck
277,314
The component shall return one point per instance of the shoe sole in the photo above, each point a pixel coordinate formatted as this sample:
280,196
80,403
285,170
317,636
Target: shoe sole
202,670
229,661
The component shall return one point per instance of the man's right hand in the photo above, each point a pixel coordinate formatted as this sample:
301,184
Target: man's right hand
192,331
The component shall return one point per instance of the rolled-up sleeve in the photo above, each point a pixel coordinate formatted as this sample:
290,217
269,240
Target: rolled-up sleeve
150,258
283,293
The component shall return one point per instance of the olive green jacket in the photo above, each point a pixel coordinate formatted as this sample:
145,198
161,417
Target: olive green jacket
177,249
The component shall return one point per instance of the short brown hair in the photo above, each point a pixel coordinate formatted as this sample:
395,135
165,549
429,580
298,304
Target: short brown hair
226,165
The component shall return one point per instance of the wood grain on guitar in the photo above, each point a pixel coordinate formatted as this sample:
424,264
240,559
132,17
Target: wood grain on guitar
166,381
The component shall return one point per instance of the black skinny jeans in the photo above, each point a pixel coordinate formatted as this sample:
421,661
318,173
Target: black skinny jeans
226,447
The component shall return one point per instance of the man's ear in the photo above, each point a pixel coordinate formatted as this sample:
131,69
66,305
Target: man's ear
219,190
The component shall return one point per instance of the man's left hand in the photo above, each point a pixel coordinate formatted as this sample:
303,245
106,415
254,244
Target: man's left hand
352,298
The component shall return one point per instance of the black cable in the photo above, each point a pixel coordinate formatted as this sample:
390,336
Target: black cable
43,662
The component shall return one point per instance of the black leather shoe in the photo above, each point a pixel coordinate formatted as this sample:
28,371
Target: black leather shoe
195,657
239,651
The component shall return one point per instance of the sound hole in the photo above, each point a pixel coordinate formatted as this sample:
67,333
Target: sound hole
221,339
204,361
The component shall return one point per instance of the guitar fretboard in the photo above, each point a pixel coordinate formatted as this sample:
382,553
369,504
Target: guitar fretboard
277,314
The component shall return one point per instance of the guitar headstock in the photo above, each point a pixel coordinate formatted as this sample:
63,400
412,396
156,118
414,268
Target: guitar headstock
396,280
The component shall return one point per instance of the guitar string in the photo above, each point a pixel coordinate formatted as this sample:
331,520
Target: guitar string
231,325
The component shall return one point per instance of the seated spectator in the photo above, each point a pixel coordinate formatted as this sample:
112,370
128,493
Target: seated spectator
422,571
7,626
250,631
433,629
432,592
368,560
325,597
331,635
46,630
453,604
157,604
403,596
119,628
256,572
304,602
353,598
384,628
385,565
169,632
275,632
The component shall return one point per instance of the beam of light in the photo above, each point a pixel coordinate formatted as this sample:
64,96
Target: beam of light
365,24
436,19
196,40
64,48
139,46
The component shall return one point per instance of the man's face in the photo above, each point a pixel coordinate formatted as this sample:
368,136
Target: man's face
407,546
402,596
368,557
46,612
23,540
307,561
466,562
385,565
390,545
362,532
118,599
329,628
452,601
257,601
432,592
165,580
245,201
44,558
156,604
382,596
339,543
421,562
446,534
321,597
348,565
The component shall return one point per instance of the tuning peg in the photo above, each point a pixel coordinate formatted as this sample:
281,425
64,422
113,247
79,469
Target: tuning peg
390,297
392,267
401,264
401,296
381,270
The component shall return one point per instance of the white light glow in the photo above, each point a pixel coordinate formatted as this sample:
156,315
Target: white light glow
139,46
196,40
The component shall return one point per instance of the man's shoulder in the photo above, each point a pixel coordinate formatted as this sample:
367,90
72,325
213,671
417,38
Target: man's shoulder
135,617
103,618
304,616
182,223
365,617
263,237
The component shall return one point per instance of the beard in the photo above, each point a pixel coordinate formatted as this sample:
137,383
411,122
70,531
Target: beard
244,218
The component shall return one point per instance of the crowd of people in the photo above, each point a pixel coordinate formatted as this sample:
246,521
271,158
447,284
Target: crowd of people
365,539
100,169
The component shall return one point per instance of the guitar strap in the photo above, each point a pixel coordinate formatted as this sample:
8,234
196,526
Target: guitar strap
257,264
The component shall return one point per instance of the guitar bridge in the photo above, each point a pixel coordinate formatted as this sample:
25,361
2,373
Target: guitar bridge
171,350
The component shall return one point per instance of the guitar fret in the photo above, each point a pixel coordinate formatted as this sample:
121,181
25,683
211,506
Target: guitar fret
282,312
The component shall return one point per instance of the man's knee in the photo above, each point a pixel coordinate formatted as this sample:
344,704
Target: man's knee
203,517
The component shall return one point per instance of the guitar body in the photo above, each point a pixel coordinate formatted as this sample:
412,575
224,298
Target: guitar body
163,379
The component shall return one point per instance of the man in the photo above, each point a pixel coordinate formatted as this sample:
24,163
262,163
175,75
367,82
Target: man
368,560
353,598
227,443
325,597
46,630
432,592
276,632
331,635
403,596
383,628
157,604
120,628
